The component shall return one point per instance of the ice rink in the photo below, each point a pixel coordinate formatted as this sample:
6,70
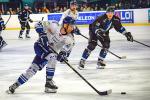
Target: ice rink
130,75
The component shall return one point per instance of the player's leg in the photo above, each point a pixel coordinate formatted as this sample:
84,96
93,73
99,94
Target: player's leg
50,86
91,46
36,65
103,53
2,42
22,30
28,30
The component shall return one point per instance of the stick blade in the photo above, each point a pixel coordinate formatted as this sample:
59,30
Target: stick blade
123,57
105,92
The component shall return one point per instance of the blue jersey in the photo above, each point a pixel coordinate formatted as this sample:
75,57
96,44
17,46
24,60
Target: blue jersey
41,46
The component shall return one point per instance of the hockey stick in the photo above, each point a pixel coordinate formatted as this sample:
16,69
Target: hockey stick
141,43
107,92
122,57
8,18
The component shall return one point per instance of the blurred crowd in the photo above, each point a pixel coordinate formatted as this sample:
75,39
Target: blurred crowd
98,6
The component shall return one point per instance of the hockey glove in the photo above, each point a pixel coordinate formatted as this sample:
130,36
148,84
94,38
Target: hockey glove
30,20
100,34
129,36
3,27
77,31
62,56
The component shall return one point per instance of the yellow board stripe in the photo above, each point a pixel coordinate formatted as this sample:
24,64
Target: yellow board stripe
132,24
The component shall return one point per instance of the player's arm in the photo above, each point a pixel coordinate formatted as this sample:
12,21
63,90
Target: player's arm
30,20
19,16
2,24
119,28
96,27
39,28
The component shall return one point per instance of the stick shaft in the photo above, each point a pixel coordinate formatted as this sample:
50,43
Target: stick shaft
79,74
102,47
141,43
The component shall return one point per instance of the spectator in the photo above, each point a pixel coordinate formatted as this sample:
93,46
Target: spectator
45,10
10,11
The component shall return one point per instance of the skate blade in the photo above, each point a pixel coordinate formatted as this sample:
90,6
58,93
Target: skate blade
48,90
8,92
100,67
20,38
81,68
27,38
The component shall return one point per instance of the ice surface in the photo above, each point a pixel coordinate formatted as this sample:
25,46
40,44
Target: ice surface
131,75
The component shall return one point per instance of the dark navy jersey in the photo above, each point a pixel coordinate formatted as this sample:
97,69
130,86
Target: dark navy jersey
103,23
24,15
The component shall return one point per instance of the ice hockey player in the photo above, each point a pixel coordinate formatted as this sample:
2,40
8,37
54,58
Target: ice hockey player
2,27
24,19
71,12
51,36
99,31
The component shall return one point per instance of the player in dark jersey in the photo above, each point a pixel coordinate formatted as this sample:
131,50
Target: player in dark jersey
24,18
99,31
2,27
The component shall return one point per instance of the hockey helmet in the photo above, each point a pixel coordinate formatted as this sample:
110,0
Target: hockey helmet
69,20
73,2
110,9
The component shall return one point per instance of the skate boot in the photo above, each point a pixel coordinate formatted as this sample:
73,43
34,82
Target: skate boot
20,36
81,64
101,64
3,45
12,88
27,36
50,87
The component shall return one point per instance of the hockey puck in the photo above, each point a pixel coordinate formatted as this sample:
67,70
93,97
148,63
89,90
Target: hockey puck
123,92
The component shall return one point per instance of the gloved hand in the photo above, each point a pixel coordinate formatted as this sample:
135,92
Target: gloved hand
3,27
77,31
62,56
100,34
129,36
30,20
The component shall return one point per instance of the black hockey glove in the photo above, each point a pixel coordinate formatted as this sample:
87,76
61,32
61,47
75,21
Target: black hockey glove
129,36
30,20
3,27
62,56
100,34
77,31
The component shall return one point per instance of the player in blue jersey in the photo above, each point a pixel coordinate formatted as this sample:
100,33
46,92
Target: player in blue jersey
51,35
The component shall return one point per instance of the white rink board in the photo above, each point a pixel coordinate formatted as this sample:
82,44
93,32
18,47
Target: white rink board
131,75
140,16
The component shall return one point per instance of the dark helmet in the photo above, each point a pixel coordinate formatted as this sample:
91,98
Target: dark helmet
26,6
73,2
110,9
68,20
